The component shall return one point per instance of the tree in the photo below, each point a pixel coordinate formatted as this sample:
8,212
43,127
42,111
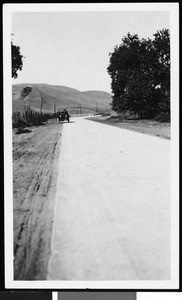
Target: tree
136,68
162,48
17,60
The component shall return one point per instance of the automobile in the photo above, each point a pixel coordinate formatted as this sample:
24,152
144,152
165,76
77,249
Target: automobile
63,116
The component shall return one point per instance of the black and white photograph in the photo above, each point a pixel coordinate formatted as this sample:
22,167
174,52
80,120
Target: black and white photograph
91,129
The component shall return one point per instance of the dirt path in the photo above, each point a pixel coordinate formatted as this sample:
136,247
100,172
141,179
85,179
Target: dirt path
35,168
112,212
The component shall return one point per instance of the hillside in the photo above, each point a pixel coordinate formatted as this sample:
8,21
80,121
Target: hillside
31,95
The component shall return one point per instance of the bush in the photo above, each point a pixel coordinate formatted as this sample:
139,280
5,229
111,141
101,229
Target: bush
22,130
20,123
163,118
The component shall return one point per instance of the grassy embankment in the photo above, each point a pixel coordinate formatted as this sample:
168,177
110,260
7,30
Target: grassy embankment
159,126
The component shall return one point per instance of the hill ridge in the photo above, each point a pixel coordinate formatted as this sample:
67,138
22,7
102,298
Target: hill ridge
33,94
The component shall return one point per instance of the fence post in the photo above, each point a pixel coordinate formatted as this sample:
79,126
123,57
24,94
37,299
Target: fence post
31,115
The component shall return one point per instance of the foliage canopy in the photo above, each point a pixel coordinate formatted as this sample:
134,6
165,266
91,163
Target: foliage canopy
140,74
17,60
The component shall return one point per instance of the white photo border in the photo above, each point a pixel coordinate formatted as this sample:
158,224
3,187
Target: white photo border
173,9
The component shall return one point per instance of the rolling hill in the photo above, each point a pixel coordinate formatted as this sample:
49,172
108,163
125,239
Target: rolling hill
59,97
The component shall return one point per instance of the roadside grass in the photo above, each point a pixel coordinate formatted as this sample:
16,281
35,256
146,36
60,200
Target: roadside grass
159,126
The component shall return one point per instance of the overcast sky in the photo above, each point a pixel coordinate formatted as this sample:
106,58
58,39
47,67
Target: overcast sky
72,48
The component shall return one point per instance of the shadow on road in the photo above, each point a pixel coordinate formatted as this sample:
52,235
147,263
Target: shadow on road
65,122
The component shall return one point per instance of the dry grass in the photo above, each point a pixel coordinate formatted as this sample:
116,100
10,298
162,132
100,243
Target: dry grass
151,127
61,96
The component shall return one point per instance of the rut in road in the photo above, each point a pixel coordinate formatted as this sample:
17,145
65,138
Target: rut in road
35,158
112,212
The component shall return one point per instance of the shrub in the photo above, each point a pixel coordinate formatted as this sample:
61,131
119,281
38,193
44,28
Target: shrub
20,123
163,118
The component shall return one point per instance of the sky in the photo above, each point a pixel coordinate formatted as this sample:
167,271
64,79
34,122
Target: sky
71,48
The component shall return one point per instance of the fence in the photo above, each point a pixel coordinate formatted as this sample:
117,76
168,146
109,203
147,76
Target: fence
81,110
30,117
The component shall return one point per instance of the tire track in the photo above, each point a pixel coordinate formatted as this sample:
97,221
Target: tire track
36,167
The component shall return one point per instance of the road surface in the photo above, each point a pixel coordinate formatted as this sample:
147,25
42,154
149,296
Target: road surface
112,213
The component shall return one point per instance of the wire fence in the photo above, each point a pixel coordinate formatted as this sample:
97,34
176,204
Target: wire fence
80,110
29,118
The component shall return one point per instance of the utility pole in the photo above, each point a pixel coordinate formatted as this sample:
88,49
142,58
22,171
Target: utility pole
41,105
54,108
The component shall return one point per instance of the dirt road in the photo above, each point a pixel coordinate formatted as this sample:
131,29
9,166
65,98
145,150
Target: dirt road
112,212
35,169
